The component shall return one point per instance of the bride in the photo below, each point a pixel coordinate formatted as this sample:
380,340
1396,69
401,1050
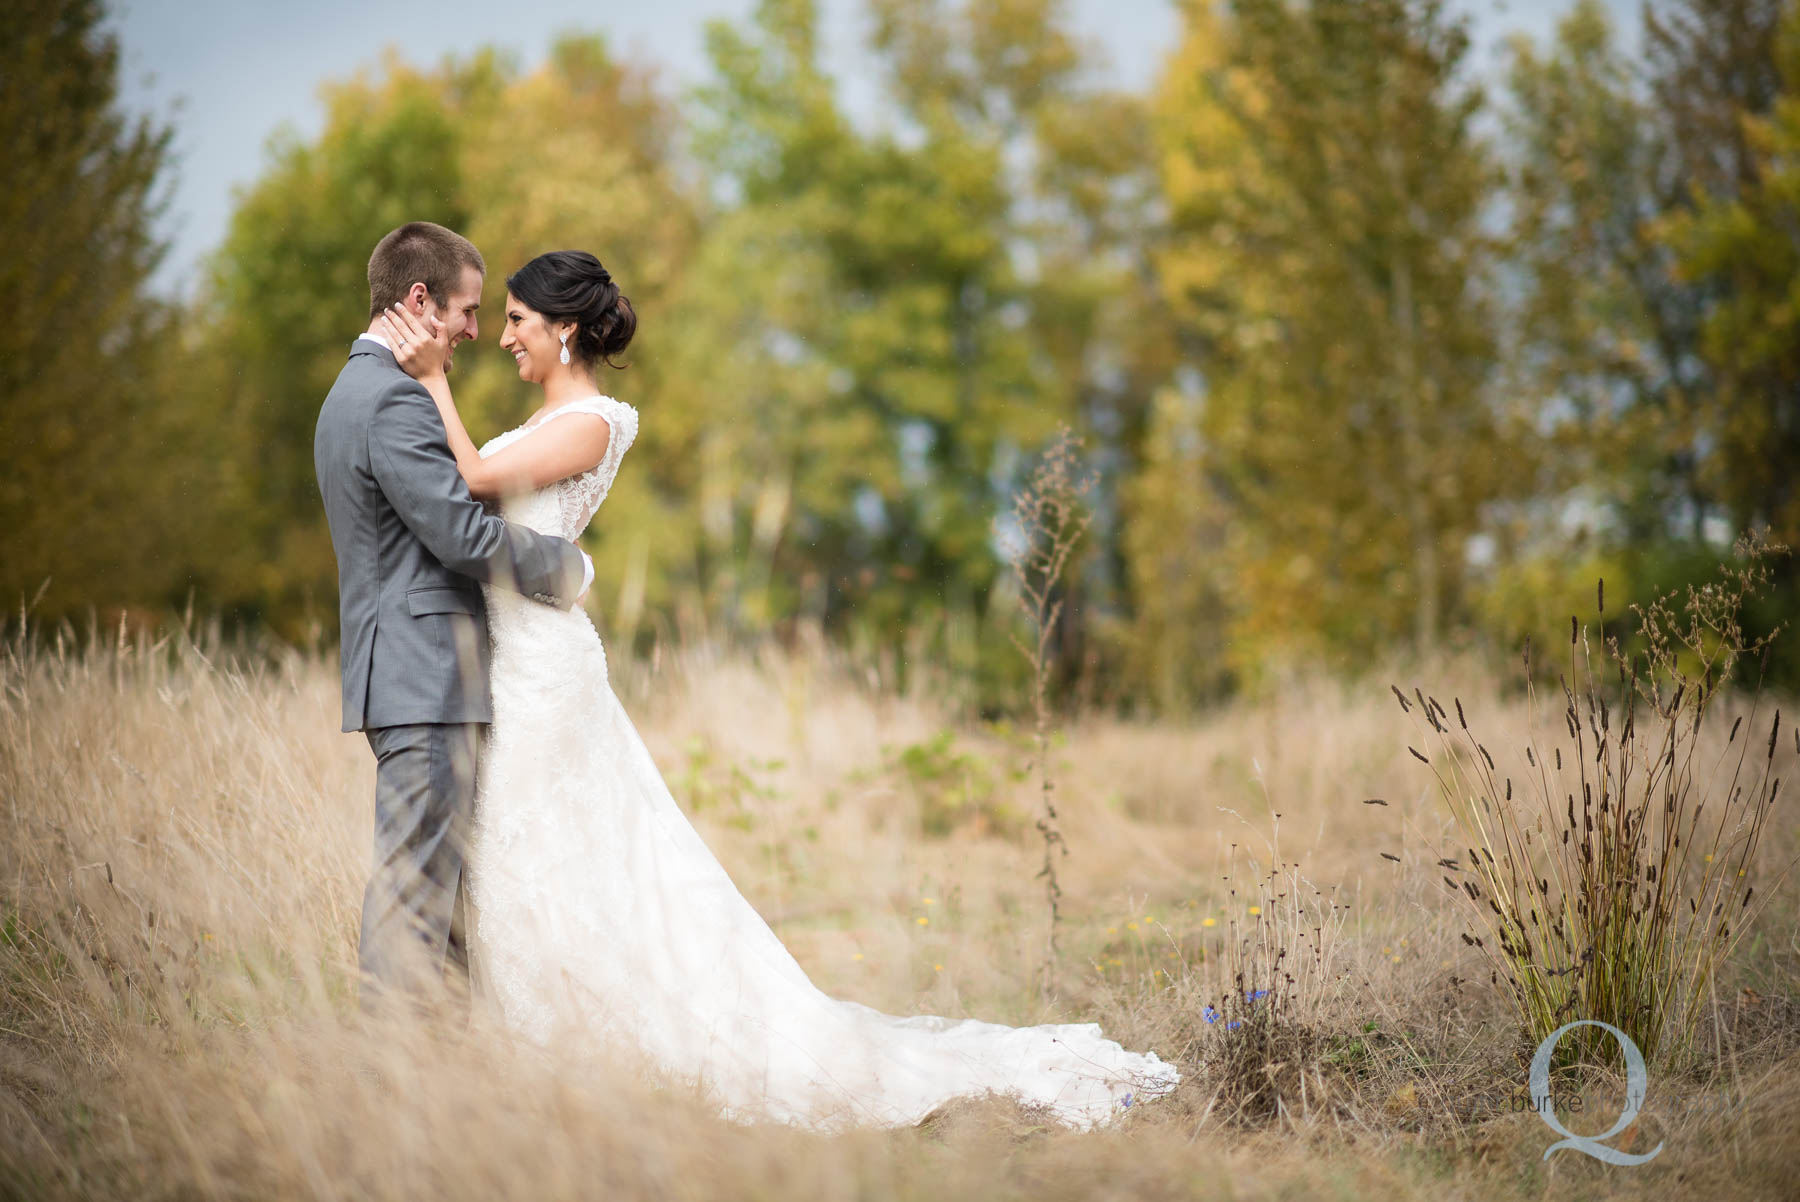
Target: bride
601,920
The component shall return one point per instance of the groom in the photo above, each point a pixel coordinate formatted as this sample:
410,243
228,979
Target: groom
411,544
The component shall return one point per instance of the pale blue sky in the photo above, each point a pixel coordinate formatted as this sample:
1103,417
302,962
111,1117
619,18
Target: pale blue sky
241,69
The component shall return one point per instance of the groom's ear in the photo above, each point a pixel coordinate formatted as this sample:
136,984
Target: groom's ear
415,298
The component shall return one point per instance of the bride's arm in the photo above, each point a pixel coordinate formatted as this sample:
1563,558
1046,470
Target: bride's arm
555,451
575,443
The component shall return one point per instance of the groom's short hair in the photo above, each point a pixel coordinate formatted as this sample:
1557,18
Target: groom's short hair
419,252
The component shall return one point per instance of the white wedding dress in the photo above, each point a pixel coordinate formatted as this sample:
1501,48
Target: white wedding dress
602,922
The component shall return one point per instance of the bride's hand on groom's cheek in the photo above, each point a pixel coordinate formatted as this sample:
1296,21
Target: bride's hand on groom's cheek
419,342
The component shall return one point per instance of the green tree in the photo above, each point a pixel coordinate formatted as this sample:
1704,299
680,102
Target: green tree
97,465
902,252
1710,63
1081,225
1328,257
1727,74
1609,154
1584,342
931,296
1742,250
1582,155
1625,184
1711,66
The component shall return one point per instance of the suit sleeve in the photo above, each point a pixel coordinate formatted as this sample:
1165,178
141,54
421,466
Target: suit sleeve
410,455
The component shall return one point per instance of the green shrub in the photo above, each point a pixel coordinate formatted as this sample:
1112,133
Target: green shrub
953,788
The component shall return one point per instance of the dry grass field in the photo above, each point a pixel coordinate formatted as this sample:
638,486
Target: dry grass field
182,841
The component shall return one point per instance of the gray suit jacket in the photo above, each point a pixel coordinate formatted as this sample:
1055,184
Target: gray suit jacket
411,543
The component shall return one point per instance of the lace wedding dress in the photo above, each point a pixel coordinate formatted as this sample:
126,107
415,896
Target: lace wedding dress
602,922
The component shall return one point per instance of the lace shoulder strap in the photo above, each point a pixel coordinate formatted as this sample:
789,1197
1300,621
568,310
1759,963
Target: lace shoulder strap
620,417
580,496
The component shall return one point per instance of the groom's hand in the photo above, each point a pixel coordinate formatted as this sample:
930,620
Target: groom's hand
587,577
421,343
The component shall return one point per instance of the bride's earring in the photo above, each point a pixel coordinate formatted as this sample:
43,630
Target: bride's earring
565,349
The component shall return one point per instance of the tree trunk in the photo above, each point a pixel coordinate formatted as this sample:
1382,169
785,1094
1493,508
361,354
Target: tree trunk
1415,470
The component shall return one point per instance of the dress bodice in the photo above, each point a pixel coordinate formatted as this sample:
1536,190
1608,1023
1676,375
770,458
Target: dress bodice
566,507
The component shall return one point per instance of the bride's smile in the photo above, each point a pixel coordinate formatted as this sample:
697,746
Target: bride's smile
535,344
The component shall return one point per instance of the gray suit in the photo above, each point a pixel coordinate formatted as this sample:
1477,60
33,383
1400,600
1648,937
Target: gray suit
411,544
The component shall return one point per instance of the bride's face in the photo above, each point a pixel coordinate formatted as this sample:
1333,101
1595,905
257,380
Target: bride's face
532,342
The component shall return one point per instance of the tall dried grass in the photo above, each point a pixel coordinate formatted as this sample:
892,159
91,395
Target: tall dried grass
1616,880
183,837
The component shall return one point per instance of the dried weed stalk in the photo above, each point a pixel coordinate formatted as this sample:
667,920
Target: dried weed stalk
1049,520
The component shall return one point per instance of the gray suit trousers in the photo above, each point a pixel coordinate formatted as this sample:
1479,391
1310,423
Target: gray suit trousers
424,801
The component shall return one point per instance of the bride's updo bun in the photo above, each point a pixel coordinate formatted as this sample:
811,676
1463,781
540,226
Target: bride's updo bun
571,285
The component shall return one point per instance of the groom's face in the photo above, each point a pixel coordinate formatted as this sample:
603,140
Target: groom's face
458,313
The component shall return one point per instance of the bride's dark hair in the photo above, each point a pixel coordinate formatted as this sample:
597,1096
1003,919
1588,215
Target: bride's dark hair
571,285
